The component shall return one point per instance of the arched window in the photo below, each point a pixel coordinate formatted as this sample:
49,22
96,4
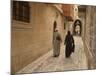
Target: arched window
21,11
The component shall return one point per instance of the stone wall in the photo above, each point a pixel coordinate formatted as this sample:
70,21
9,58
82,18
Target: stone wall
90,36
82,16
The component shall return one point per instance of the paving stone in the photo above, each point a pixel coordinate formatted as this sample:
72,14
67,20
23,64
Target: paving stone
48,63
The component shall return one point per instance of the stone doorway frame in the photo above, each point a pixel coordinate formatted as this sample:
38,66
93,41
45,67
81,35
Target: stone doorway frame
79,24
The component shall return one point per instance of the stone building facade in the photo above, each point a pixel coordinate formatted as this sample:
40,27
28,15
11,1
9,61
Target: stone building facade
87,14
82,17
71,14
32,39
90,36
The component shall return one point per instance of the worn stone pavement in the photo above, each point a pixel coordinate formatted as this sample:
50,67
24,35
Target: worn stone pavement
48,63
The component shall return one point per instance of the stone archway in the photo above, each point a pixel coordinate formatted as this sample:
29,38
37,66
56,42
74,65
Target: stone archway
77,27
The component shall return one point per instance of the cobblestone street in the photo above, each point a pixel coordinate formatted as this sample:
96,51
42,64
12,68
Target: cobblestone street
48,63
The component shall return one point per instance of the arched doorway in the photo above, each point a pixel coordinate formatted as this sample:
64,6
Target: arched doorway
77,27
54,26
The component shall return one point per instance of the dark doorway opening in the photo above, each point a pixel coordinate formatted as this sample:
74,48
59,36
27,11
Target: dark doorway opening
54,26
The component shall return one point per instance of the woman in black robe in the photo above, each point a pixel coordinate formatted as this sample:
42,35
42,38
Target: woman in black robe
69,43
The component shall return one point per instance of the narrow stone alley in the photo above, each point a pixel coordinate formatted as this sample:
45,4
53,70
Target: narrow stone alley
48,63
33,26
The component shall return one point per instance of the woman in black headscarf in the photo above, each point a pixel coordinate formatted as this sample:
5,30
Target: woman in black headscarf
69,42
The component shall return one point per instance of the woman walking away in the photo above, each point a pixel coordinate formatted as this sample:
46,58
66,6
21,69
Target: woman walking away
69,43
